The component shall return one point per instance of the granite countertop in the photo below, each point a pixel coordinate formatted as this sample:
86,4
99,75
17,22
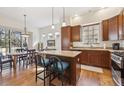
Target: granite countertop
96,49
61,53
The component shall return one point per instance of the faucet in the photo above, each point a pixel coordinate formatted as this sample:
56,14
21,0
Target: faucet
90,43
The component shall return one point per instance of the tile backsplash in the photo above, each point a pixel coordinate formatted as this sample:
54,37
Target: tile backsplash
102,44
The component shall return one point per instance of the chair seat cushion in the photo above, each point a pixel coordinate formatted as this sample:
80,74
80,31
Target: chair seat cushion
59,67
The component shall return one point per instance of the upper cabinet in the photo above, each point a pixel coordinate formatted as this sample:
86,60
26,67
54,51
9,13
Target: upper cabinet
121,26
65,37
105,28
69,34
113,28
75,31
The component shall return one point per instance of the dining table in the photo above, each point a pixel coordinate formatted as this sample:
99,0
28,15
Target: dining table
72,57
15,55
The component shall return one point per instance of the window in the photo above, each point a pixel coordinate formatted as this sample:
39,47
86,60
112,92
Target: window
90,34
9,38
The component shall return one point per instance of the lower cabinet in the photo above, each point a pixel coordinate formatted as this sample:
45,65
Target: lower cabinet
84,57
106,59
96,58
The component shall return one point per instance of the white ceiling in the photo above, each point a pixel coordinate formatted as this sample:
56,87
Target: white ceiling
41,16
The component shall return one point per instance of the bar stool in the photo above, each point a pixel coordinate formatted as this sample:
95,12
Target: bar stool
58,69
44,63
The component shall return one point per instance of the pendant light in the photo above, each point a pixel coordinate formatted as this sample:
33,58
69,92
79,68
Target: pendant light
25,35
63,23
52,27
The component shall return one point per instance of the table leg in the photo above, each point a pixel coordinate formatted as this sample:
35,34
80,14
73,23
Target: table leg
14,62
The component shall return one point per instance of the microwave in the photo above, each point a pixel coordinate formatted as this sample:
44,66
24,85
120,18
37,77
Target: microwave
116,46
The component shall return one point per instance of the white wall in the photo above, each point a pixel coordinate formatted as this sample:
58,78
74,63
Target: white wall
14,24
46,31
93,17
97,17
35,37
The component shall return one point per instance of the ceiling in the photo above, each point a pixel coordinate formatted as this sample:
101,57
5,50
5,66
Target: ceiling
41,16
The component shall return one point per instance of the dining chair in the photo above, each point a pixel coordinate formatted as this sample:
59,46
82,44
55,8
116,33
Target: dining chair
57,69
4,60
22,57
31,56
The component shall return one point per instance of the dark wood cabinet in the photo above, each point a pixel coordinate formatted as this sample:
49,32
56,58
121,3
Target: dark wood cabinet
84,57
121,25
75,35
97,58
105,30
94,58
65,37
69,34
113,28
106,59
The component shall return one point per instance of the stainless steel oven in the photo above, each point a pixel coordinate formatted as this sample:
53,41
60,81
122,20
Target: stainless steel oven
117,67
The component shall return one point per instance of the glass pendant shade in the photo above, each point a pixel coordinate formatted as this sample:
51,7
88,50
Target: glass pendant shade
52,27
25,35
63,23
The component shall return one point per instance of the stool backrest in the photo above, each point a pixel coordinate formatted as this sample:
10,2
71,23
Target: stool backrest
56,62
40,60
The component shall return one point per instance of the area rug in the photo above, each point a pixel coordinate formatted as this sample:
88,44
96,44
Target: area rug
91,68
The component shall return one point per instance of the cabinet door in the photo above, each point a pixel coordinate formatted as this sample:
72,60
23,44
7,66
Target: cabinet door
105,30
94,58
113,28
84,57
75,33
65,37
105,59
120,25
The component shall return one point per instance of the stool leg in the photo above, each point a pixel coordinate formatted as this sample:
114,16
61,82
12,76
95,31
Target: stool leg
36,73
49,78
62,79
44,76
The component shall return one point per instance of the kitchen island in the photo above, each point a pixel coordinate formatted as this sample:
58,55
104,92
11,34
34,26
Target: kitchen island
73,57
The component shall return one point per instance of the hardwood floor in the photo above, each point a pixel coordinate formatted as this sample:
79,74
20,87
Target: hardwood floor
26,77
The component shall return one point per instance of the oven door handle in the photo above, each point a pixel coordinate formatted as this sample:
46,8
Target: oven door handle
116,61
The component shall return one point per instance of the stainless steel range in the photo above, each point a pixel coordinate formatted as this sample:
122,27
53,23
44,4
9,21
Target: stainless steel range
117,62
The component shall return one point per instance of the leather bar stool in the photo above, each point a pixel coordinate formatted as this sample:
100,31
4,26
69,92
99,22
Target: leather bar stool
58,69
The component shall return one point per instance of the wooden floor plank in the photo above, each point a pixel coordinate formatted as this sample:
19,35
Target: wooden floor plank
26,77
